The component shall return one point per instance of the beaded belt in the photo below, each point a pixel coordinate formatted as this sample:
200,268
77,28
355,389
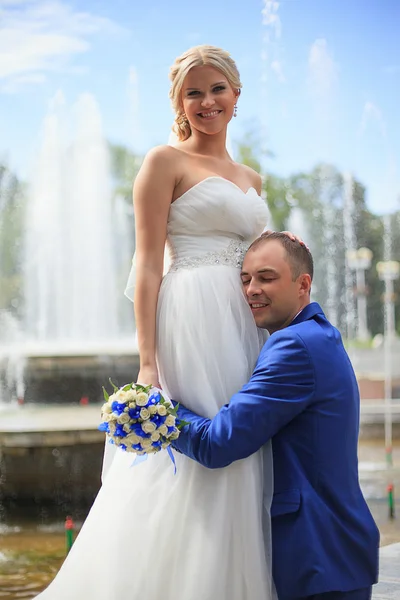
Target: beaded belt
232,256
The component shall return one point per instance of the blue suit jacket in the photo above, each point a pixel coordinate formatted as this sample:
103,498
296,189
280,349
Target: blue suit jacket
304,395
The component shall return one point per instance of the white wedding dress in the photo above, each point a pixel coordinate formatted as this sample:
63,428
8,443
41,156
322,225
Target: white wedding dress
196,534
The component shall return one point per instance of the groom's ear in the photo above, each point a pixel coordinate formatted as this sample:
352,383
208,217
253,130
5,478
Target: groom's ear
305,284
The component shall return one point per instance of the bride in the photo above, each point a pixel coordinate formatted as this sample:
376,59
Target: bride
197,534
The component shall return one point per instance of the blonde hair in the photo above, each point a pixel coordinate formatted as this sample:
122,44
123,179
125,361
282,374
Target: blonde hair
198,56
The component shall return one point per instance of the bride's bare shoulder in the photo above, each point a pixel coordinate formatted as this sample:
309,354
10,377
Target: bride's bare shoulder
161,154
163,158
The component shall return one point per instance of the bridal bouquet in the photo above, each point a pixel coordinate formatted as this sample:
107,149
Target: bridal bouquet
139,419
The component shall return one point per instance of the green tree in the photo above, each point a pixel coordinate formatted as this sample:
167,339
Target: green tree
12,204
277,191
124,168
249,152
312,205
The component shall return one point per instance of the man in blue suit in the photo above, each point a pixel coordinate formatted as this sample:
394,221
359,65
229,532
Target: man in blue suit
303,396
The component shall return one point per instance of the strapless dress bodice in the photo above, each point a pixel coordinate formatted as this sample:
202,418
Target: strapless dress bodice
213,223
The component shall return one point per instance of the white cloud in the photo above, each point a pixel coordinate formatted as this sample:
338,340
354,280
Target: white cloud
372,113
272,33
322,70
39,37
276,66
271,19
17,83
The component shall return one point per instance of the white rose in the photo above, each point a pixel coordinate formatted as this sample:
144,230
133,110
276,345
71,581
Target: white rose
153,409
122,397
162,411
123,418
146,443
142,399
155,436
132,439
127,428
107,418
165,445
132,404
130,394
170,421
148,427
112,428
163,429
106,408
144,413
174,435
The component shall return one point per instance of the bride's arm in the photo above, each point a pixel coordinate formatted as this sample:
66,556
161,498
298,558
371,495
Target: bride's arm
152,193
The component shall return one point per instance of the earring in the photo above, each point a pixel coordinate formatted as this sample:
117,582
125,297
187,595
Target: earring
235,111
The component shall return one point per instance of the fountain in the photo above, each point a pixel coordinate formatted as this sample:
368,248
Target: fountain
77,248
70,268
349,242
12,384
75,329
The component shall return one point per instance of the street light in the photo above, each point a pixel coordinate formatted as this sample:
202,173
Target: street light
388,272
359,261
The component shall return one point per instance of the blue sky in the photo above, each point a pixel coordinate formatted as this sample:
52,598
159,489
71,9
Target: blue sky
321,78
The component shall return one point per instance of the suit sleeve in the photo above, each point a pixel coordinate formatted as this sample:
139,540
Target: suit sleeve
281,387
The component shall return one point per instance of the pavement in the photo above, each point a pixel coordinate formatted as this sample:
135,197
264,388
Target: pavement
388,587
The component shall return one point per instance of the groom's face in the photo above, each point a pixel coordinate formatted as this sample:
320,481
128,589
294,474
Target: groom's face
267,279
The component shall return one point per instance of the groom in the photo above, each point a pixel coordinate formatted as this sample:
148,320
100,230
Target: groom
303,396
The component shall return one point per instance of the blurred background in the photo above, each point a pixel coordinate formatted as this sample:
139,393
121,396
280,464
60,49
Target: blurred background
83,96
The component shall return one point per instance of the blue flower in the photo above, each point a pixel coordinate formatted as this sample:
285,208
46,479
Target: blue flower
171,429
137,447
123,446
119,431
104,427
156,444
158,420
154,398
139,431
134,413
117,407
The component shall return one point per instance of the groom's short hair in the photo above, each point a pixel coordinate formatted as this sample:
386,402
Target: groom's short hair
298,255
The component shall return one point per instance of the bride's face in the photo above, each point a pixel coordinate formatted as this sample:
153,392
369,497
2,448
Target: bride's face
208,99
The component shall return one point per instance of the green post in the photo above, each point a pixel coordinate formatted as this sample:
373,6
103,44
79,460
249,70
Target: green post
390,491
69,533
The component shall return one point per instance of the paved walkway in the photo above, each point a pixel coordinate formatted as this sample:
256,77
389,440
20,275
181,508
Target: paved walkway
388,587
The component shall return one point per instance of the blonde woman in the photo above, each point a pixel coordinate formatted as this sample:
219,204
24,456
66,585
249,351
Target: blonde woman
199,534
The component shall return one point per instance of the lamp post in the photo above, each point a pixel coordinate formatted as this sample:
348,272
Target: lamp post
388,272
359,261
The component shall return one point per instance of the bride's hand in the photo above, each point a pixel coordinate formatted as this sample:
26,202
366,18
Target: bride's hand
292,236
148,376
